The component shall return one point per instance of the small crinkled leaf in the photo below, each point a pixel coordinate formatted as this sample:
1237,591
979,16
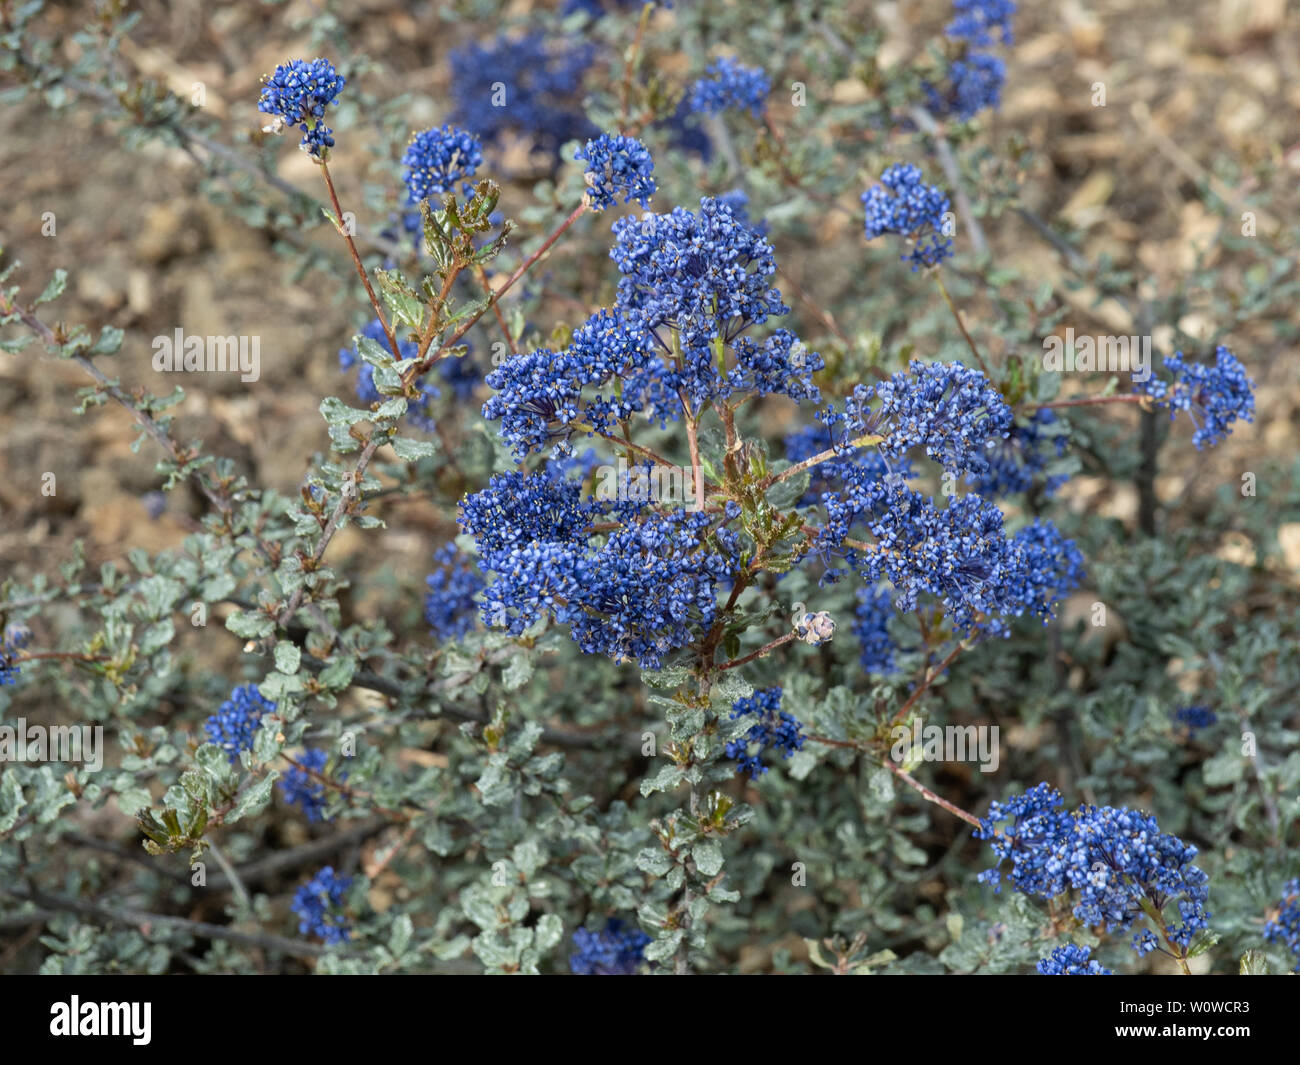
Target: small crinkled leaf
288,656
708,857
668,777
409,450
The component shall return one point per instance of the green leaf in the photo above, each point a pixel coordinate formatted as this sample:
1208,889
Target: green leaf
548,932
518,672
410,450
253,799
338,674
250,626
400,937
156,636
54,289
288,656
109,342
663,949
708,857
373,352
668,777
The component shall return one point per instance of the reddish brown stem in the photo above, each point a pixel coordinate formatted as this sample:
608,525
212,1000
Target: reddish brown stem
356,261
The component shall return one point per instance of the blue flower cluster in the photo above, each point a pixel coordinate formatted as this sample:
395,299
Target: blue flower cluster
298,93
871,627
14,639
1214,397
738,203
706,277
236,721
1071,960
1117,860
960,554
523,87
727,85
417,410
975,78
617,951
617,165
318,903
774,729
980,21
951,412
437,159
904,205
299,788
1285,927
449,604
1018,459
1194,718
974,83
692,284
1045,568
634,593
598,8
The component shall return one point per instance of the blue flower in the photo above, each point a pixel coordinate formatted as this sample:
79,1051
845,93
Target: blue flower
298,93
236,721
597,8
437,159
1017,460
1195,718
526,87
904,205
706,277
951,412
692,285
774,729
449,605
617,951
1285,927
1046,568
15,638
974,83
633,593
738,203
1071,961
980,21
727,85
1116,859
1214,397
318,904
299,788
617,165
871,627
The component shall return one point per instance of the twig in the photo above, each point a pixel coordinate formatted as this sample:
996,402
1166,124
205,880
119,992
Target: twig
767,648
970,342
1089,401
356,262
929,795
141,920
241,892
952,172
